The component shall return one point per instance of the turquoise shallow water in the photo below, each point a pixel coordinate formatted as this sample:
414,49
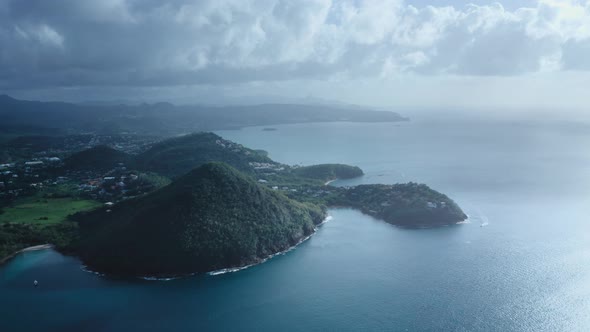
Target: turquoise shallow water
528,269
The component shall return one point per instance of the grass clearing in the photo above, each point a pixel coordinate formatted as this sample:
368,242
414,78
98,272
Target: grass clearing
45,210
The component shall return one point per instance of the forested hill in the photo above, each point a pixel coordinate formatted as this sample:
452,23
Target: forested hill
177,156
166,119
405,204
213,217
97,158
327,172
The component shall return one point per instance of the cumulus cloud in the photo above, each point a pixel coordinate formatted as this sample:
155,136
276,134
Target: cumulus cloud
65,43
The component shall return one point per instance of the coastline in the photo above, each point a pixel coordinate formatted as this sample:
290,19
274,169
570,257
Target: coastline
263,260
32,248
86,268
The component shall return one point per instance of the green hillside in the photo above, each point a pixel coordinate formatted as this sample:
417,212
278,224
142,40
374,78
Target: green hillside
211,218
327,172
177,156
97,158
407,204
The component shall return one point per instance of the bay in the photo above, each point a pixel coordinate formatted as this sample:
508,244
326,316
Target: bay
527,269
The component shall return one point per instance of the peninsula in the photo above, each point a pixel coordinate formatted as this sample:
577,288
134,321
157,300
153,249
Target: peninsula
198,203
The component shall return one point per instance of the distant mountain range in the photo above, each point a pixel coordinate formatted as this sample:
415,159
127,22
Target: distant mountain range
167,119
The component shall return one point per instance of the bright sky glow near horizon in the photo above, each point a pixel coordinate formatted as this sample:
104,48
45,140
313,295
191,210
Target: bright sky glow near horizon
424,54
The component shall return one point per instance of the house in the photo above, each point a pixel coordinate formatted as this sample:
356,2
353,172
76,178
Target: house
109,204
34,163
262,181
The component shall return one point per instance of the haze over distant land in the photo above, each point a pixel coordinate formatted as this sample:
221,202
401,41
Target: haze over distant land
166,119
479,54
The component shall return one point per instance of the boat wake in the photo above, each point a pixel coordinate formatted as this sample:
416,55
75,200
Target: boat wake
481,218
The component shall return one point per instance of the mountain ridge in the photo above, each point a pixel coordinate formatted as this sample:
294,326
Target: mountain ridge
166,119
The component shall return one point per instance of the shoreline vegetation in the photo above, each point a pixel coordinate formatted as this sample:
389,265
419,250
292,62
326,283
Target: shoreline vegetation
86,268
271,256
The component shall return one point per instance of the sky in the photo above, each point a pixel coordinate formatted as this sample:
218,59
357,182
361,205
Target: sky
448,54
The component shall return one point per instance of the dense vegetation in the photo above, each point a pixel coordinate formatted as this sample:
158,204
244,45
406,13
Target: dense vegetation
408,204
40,220
97,158
213,217
20,148
177,156
327,172
17,236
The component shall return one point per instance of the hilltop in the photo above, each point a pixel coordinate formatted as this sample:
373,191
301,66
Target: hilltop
328,172
97,158
405,204
177,156
211,218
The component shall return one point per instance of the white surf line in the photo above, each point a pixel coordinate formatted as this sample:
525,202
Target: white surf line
85,268
236,269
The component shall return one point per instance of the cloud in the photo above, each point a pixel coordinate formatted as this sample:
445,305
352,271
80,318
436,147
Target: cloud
42,34
68,43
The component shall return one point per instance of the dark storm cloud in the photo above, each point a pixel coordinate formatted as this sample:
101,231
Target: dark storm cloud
62,43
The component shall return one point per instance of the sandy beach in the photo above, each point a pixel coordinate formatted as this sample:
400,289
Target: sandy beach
33,248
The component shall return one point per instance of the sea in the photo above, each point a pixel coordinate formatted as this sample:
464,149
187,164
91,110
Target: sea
520,263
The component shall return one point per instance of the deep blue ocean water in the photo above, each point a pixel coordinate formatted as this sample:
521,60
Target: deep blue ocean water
527,269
